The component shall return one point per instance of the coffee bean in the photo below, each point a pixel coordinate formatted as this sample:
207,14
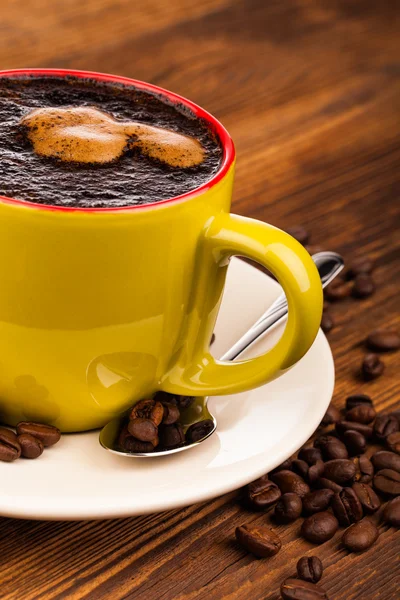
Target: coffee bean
372,367
148,409
385,425
199,430
285,466
364,469
310,455
393,442
47,434
387,482
259,540
331,416
340,470
300,467
287,481
327,322
182,402
362,413
31,447
320,527
309,473
383,340
343,426
299,233
261,493
297,589
317,501
360,266
367,497
391,514
171,436
347,507
327,484
337,290
315,471
10,448
386,460
355,442
144,430
171,413
127,443
331,447
309,568
288,508
360,536
364,286
358,400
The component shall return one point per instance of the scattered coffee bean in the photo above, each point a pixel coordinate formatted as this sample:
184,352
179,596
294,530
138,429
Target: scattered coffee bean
171,436
340,470
300,467
385,425
364,469
364,286
387,482
355,442
297,589
367,497
342,426
285,466
360,536
10,448
320,527
337,290
171,413
362,413
331,416
393,442
199,430
383,340
385,459
327,322
360,266
31,447
310,455
391,514
148,409
299,233
331,447
259,540
261,493
144,430
372,367
317,501
315,471
47,434
358,400
287,481
288,508
327,484
309,568
347,507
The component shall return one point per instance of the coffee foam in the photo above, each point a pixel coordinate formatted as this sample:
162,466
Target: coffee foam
88,135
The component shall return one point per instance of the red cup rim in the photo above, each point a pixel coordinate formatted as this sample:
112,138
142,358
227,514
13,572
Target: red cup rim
226,140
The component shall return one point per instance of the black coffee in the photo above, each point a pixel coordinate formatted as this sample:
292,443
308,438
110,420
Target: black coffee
83,143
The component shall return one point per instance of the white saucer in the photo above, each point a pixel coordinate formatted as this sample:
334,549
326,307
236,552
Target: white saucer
257,430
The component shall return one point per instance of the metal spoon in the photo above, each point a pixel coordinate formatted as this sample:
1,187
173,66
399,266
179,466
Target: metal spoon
329,265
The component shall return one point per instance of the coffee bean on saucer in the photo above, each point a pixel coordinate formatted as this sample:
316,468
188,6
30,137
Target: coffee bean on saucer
331,416
391,514
347,507
340,470
309,568
261,493
259,540
327,484
384,459
148,409
361,413
383,340
367,497
299,233
287,481
331,447
288,508
364,286
384,426
171,413
199,431
144,430
355,442
337,290
47,434
320,527
358,400
317,501
327,322
364,469
297,589
372,367
10,448
342,426
171,436
393,442
310,455
387,482
31,447
360,536
360,266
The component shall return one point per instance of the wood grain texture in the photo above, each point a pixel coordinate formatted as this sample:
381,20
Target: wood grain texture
310,91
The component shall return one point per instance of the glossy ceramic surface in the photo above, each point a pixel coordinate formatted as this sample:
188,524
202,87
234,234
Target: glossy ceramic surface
77,479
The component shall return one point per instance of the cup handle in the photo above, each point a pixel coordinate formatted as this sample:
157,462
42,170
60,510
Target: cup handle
196,372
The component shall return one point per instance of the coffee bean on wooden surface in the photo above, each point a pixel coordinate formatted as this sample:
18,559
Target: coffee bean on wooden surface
383,340
298,589
319,527
372,367
327,322
362,413
358,400
367,497
259,540
317,501
287,481
148,408
309,473
144,430
347,507
385,459
340,470
331,416
360,536
310,455
288,508
360,266
364,469
261,493
47,434
355,442
327,484
385,425
364,286
387,482
171,436
309,568
342,426
337,290
10,448
31,447
331,447
171,413
391,513
393,442
199,430
299,233
300,467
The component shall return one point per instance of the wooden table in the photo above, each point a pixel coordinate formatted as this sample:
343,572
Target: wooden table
309,90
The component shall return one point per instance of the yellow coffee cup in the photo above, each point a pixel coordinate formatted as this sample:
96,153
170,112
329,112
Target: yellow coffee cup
102,307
